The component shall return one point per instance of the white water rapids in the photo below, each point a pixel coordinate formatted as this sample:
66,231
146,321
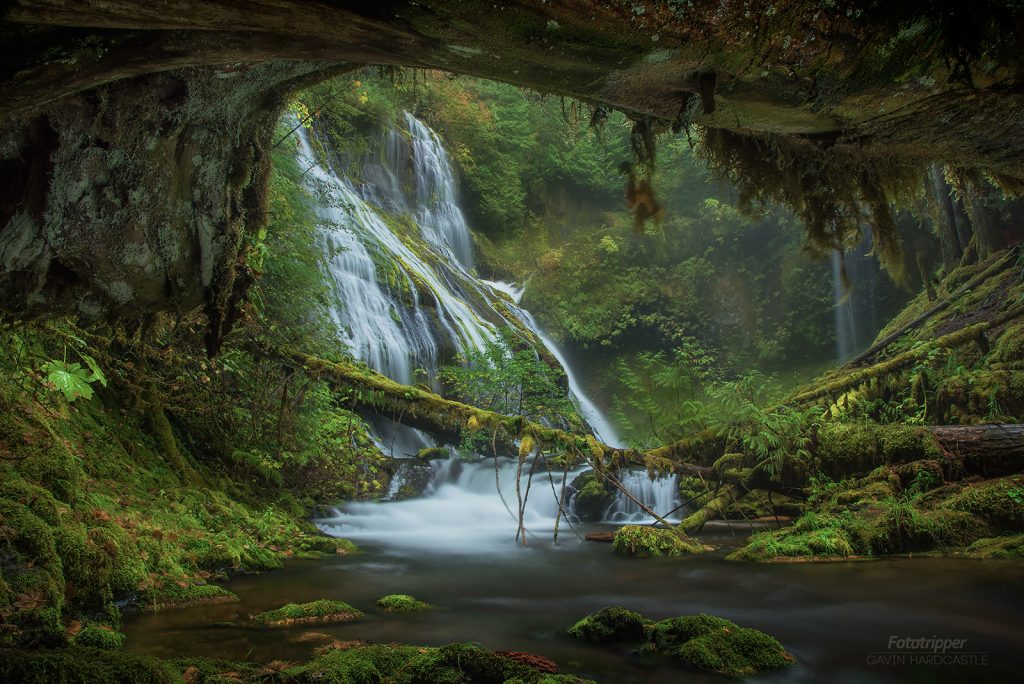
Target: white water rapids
405,298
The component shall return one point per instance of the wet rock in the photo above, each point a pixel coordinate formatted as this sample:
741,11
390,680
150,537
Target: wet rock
410,480
611,624
591,498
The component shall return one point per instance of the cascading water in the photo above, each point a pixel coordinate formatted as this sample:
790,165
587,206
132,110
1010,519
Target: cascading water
405,299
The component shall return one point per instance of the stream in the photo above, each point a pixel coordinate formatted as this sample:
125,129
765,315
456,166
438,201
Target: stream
831,616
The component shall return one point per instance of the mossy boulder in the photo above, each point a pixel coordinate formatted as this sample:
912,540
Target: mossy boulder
676,631
609,625
645,542
402,603
99,636
592,497
322,611
999,502
731,650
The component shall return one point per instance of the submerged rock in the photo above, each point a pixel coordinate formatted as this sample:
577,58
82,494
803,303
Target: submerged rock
614,623
645,542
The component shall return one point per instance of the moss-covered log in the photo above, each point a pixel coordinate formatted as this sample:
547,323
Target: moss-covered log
839,450
952,340
716,507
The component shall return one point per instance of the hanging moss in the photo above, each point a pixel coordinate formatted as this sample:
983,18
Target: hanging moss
834,189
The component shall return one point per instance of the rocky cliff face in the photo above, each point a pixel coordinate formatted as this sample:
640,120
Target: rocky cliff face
133,141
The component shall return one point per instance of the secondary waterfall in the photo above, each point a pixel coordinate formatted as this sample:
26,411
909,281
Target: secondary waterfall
400,262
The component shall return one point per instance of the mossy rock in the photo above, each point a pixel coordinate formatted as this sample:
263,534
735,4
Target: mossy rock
322,611
999,502
171,595
80,665
646,542
904,529
432,453
1010,345
609,625
1006,548
99,636
733,651
402,603
674,632
592,497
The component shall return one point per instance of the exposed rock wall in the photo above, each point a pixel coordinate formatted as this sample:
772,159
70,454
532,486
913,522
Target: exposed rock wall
133,137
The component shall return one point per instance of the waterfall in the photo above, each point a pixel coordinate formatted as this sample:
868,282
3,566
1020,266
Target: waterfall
400,260
598,422
660,495
842,312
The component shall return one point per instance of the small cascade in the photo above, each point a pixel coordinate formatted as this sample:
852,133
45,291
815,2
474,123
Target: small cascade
660,495
461,510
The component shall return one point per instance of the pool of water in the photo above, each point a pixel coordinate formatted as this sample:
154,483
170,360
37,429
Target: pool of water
836,618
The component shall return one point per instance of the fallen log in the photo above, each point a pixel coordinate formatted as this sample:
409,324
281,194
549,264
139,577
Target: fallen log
954,339
999,265
838,449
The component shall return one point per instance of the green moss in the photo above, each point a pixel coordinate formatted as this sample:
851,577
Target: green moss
644,542
79,665
675,631
356,665
592,498
902,528
1009,348
734,651
609,624
999,502
321,611
173,595
459,663
99,636
402,603
1011,547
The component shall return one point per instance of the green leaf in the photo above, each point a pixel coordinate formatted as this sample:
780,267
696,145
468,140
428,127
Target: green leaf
70,378
97,374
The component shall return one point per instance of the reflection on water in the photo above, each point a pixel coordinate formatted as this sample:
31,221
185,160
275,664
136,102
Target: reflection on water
831,616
